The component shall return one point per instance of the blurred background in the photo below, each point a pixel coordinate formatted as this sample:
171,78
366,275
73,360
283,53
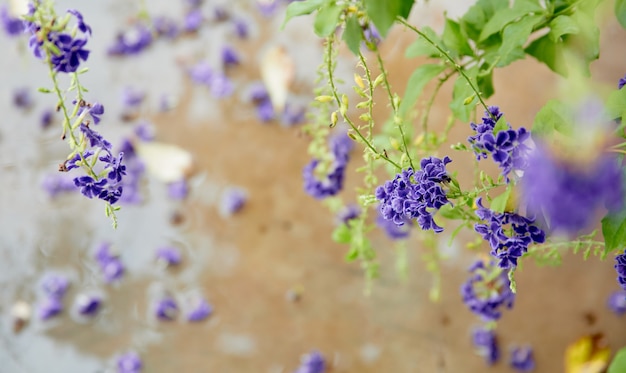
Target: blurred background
278,285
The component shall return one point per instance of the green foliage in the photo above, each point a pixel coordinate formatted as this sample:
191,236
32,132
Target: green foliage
620,13
300,8
384,13
422,48
418,80
353,34
616,104
553,116
618,365
614,231
461,91
499,203
327,19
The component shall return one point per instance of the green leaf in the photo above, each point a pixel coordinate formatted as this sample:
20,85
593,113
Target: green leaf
616,104
477,15
353,34
514,37
550,53
485,84
423,48
418,80
460,92
501,125
620,12
618,365
456,41
299,8
505,16
562,25
342,234
614,231
449,212
498,204
384,13
327,19
553,116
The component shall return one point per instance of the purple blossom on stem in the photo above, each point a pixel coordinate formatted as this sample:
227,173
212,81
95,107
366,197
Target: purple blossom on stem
620,267
88,305
487,290
486,344
89,187
617,302
129,362
416,195
82,26
201,310
166,309
340,147
74,162
12,26
55,184
95,139
312,363
70,54
522,359
233,200
50,307
567,195
169,255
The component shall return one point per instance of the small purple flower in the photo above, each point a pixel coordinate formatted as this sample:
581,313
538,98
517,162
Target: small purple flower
82,26
372,36
22,98
241,28
621,83
620,267
47,117
201,73
312,363
233,200
131,97
111,194
13,26
55,184
221,85
145,131
112,270
293,115
265,111
617,302
568,195
178,190
169,255
392,230
166,309
95,139
132,41
165,27
193,20
50,307
201,310
348,213
522,359
88,305
89,187
486,344
326,187
55,286
129,362
230,57
487,290
71,53
267,7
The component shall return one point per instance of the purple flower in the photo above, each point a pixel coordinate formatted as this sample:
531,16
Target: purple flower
88,305
131,42
568,195
50,307
348,213
166,309
372,36
522,359
165,27
22,98
131,97
233,200
47,117
241,28
620,267
129,362
229,56
145,131
73,162
265,110
201,73
201,310
507,147
392,230
193,20
486,344
507,249
221,85
621,83
178,190
103,253
487,290
416,195
220,14
617,302
115,166
110,265
267,7
55,286
82,26
169,255
293,115
89,187
13,26
312,363
111,194
70,55
340,146
95,139
55,184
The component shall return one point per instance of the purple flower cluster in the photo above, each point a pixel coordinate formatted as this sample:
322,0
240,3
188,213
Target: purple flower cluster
416,195
13,26
617,302
487,290
261,99
202,73
168,255
348,213
54,288
110,264
55,184
486,344
66,50
507,248
522,359
132,41
506,147
340,147
22,98
567,195
392,230
129,362
312,363
166,309
620,267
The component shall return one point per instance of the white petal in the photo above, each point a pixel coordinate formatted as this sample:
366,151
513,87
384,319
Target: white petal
166,162
277,71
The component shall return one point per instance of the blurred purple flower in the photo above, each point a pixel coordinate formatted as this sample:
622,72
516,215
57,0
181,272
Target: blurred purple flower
522,359
22,98
88,305
82,26
241,28
487,290
47,117
12,26
394,231
178,190
201,73
230,57
312,363
132,97
50,307
617,302
221,85
129,362
110,265
202,309
293,115
166,309
220,14
165,27
132,41
621,83
55,286
169,255
348,213
486,343
145,131
233,200
193,20
620,267
265,111
267,7
55,184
